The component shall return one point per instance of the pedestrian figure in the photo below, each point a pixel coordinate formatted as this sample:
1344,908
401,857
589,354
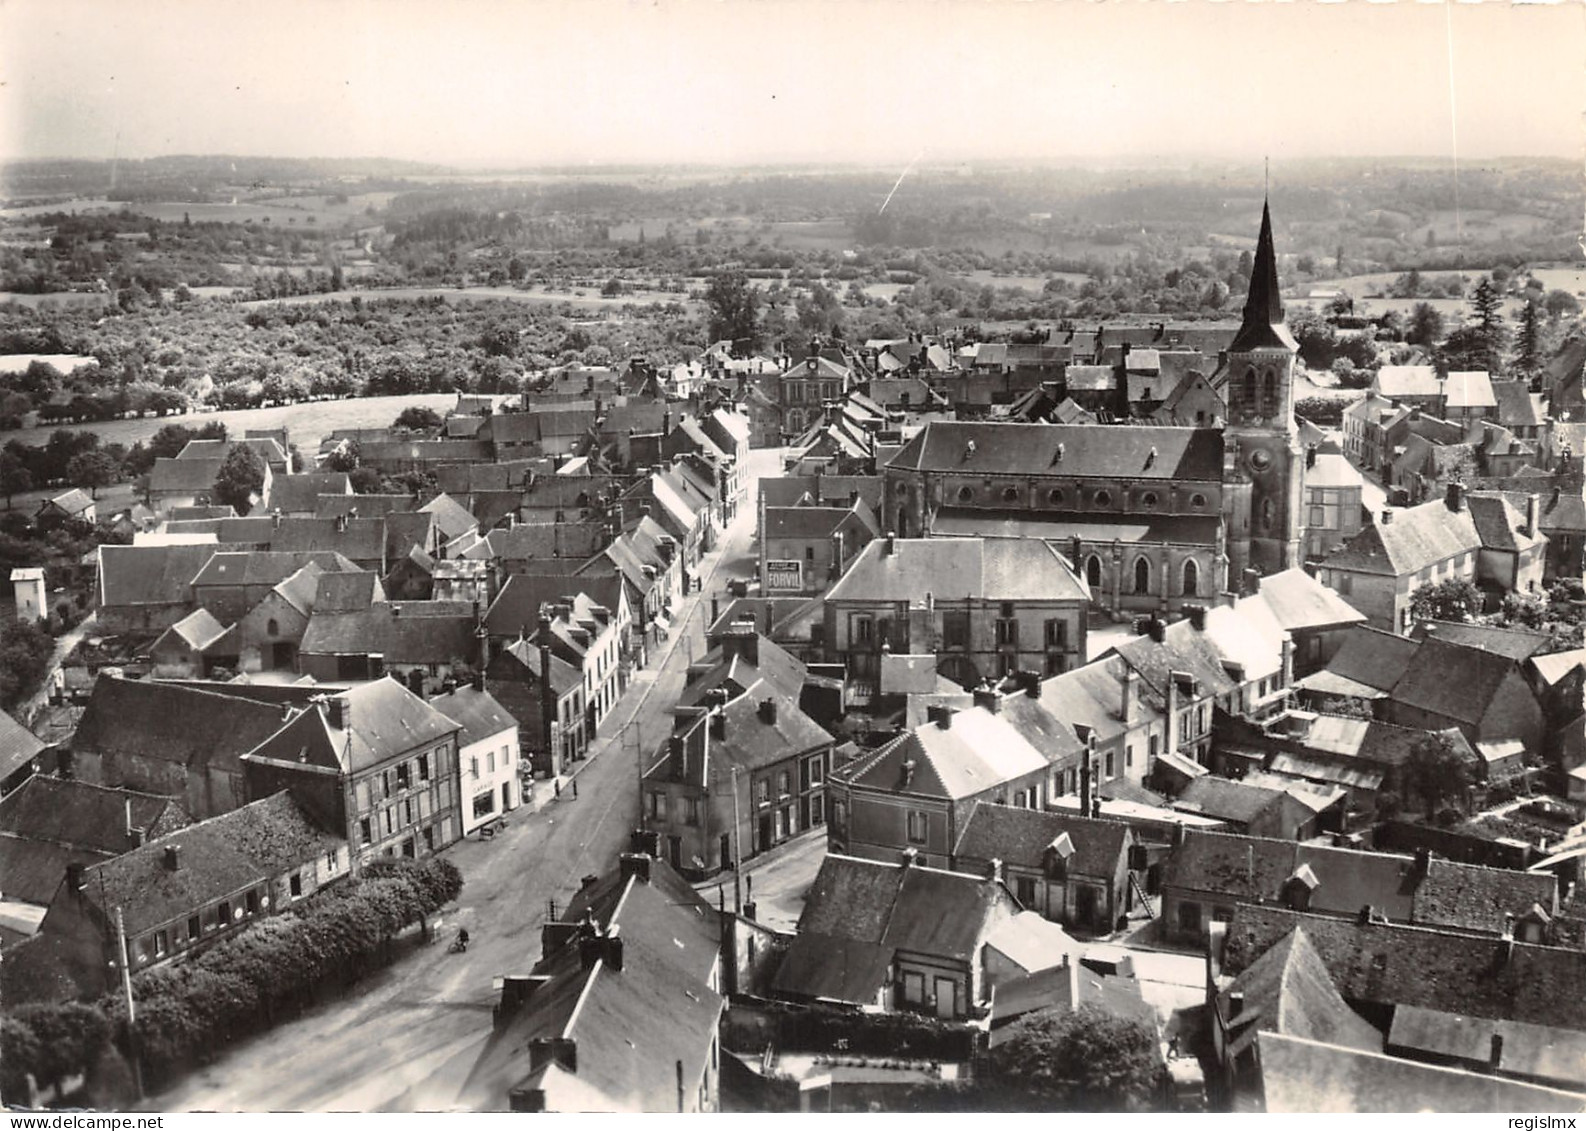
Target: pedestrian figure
575,789
558,784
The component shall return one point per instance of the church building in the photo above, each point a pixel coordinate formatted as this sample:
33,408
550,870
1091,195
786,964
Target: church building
1152,517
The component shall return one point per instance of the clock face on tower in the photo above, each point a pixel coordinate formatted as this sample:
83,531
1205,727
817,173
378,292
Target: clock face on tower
1260,460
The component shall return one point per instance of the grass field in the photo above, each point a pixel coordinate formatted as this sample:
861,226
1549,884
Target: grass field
588,303
290,211
308,422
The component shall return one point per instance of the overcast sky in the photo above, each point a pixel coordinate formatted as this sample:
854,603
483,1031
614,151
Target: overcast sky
516,82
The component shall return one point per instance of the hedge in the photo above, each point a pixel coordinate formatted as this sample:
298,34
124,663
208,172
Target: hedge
186,1010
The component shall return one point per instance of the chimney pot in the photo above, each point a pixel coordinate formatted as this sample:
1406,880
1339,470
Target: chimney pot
173,857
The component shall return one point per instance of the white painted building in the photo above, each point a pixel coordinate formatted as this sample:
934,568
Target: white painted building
487,753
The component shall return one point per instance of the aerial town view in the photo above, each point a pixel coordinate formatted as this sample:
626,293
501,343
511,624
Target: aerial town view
736,557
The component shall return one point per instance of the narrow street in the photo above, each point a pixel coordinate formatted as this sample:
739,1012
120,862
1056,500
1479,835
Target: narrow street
406,1037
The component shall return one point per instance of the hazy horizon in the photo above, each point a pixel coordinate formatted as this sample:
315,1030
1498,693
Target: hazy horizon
502,85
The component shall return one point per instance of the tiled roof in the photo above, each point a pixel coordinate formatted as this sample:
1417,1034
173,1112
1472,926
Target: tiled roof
1451,680
1473,898
367,506
450,515
197,630
988,522
1518,407
1022,836
1469,389
170,723
217,857
1402,965
517,607
1137,453
83,815
1416,538
1518,644
750,741
184,475
1227,800
564,676
1537,1052
265,567
1288,990
993,569
922,910
72,502
404,632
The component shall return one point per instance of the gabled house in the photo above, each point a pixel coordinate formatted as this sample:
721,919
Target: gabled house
1212,873
1478,539
545,694
737,776
621,1010
1074,870
303,496
170,739
1284,808
375,762
75,504
146,589
423,639
919,791
894,936
231,584
193,646
487,753
197,884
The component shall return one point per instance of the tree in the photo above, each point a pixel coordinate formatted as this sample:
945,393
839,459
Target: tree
1435,772
417,418
343,457
1528,355
1487,302
93,470
1560,303
1426,325
1087,1059
240,481
734,308
1452,600
365,481
14,476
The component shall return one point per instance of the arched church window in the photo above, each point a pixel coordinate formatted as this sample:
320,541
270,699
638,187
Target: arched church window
1093,572
1191,578
1271,395
1268,514
271,628
1142,577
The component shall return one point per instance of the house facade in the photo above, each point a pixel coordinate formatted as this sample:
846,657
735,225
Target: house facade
487,753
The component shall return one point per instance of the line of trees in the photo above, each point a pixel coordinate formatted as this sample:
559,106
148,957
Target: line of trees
188,1010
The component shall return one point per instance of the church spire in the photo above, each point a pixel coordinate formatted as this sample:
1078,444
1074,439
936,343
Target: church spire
1263,326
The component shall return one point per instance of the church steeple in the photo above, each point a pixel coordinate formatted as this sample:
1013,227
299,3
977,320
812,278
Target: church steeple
1263,326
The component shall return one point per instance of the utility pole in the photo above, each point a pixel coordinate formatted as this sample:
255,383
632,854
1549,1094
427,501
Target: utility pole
638,761
132,1009
737,858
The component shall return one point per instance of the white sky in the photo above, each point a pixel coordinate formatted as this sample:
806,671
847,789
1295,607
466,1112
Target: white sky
517,82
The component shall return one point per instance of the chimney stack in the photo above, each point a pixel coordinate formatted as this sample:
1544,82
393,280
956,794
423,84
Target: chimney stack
1084,785
173,857
988,698
1197,616
1387,516
1454,497
1131,692
1250,582
768,711
1533,512
891,544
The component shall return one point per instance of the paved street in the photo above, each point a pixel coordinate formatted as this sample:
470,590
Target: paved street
406,1037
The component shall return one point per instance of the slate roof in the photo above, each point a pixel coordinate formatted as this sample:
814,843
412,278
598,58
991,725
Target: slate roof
367,506
1298,1075
827,968
1262,326
171,723
1416,538
1407,965
1540,1052
265,567
978,752
261,840
184,475
630,1027
1227,800
150,575
1181,454
450,515
993,569
1372,657
477,712
749,741
300,494
404,632
1517,406
1052,988
1288,990
72,502
564,676
1006,524
18,745
517,607
383,720
197,631
1469,389
361,539
1395,381
1022,836
345,591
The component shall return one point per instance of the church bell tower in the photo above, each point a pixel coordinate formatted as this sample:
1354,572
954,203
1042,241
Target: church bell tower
1264,464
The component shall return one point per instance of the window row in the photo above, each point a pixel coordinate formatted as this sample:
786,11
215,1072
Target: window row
1142,574
1060,497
